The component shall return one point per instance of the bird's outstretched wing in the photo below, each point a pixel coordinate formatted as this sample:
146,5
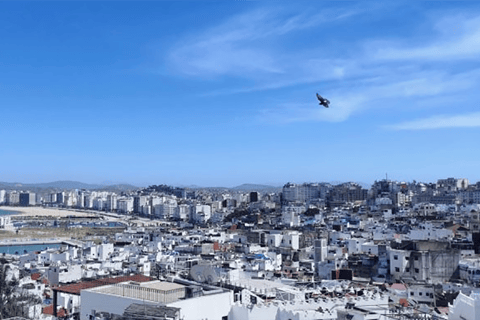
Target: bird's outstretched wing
324,102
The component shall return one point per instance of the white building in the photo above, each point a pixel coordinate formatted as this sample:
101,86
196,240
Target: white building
321,250
354,245
399,260
125,205
64,274
209,303
452,184
182,212
291,215
165,210
426,231
290,240
469,270
200,213
6,223
465,307
104,250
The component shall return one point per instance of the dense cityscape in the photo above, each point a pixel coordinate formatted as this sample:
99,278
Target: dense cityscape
403,250
128,127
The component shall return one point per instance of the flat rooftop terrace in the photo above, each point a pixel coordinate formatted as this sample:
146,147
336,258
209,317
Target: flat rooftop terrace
76,288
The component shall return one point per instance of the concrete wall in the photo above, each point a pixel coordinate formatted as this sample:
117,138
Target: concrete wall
211,307
465,307
103,302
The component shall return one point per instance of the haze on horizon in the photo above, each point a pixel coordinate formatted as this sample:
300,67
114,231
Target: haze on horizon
223,93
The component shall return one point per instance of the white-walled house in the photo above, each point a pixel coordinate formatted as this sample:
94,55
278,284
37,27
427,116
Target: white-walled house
273,240
399,260
212,303
427,231
64,274
286,239
465,307
290,240
104,250
354,245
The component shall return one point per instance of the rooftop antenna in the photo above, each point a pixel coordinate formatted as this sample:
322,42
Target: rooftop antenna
386,176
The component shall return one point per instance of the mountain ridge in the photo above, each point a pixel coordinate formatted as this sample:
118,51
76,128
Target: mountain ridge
65,185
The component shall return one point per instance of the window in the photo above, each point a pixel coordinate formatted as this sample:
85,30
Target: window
419,293
407,258
395,257
412,293
416,258
397,269
417,270
407,269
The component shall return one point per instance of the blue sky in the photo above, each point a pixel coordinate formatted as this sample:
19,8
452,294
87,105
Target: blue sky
223,93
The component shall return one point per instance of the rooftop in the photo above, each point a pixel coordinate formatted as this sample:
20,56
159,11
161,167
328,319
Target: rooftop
75,288
162,285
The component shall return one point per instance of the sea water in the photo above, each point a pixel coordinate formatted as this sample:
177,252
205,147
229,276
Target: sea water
28,248
5,212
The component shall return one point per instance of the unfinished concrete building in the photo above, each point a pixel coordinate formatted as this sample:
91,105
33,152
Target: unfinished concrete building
429,261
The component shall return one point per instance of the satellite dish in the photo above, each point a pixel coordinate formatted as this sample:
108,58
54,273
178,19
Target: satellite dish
204,273
210,275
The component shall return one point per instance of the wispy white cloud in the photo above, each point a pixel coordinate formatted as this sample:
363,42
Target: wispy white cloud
376,93
440,122
458,38
242,45
377,76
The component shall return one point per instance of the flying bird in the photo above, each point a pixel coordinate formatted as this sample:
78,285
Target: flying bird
323,102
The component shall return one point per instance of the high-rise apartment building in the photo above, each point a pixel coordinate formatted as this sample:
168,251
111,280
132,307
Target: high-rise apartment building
27,199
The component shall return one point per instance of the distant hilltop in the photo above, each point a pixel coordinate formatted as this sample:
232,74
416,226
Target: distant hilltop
71,185
65,185
243,187
253,187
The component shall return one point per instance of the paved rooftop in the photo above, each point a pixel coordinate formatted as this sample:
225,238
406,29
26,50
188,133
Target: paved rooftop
75,288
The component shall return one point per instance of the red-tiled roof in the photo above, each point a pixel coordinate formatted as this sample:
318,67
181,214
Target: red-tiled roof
62,313
398,286
49,310
35,276
403,302
75,288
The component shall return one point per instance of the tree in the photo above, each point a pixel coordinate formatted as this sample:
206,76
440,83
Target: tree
12,300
